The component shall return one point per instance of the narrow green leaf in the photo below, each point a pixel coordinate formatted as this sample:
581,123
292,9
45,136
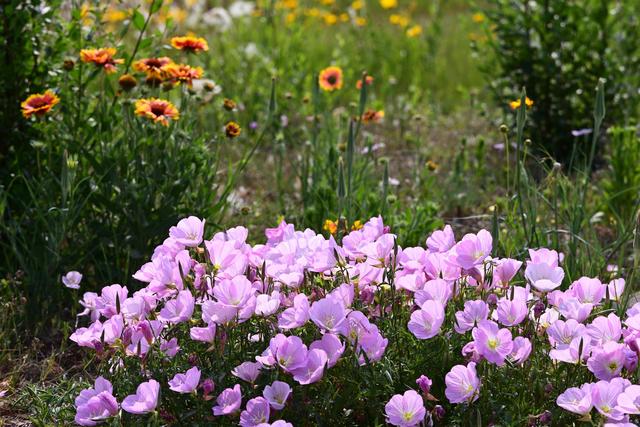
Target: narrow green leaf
138,20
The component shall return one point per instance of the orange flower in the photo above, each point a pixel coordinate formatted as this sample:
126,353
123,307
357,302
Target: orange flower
330,78
368,80
516,104
190,44
102,57
152,67
182,73
372,116
39,103
158,110
330,226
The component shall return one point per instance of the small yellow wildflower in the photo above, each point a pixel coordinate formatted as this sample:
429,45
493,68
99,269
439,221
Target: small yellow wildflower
360,21
516,104
414,31
389,4
330,226
330,19
399,20
478,18
357,5
357,225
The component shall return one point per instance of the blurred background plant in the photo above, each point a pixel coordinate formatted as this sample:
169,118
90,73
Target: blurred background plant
558,50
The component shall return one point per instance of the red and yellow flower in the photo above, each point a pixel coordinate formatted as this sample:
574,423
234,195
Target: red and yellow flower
158,110
39,103
232,130
368,80
330,79
102,58
190,44
182,73
372,116
152,67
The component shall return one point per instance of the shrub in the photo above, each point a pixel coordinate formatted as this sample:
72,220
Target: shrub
538,45
303,328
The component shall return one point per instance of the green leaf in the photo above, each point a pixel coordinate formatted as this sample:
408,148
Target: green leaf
156,5
138,20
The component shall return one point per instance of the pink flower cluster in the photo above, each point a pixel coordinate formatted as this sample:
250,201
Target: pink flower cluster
301,281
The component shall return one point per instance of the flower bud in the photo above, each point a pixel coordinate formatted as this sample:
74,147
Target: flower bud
424,383
208,386
439,412
504,128
127,82
538,309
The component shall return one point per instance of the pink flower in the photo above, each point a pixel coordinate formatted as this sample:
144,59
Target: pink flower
178,310
424,383
373,345
313,369
228,261
206,334
145,400
426,322
436,289
256,413
505,270
188,232
187,382
615,288
472,249
604,329
96,404
405,409
441,240
576,400
247,371
606,362
474,312
331,345
72,280
289,352
228,401
562,333
89,302
544,256
544,277
328,314
266,304
511,312
604,396
492,343
234,293
277,394
588,290
571,308
170,348
295,316
521,350
629,401
462,384
110,300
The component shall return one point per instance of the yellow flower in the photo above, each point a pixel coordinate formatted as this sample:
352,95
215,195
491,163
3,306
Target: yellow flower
290,18
388,4
330,226
288,4
157,110
327,2
360,21
478,18
178,15
330,79
516,104
344,17
114,15
313,12
330,18
414,31
357,5
39,103
357,225
399,20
